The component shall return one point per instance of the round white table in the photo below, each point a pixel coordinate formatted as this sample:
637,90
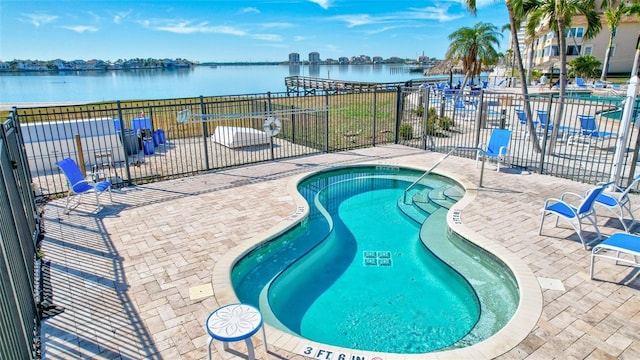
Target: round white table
235,322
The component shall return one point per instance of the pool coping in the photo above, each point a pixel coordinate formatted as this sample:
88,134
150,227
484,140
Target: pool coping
515,331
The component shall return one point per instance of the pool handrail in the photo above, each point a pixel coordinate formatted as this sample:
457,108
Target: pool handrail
404,194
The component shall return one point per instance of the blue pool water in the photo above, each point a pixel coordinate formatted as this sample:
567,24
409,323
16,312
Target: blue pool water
357,273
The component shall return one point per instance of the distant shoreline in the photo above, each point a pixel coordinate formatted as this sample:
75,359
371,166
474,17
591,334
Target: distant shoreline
10,106
188,67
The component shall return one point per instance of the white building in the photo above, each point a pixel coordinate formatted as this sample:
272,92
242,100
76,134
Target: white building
544,44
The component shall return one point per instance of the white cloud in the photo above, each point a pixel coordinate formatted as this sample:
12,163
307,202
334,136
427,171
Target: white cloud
266,37
356,20
250,10
38,20
117,18
277,25
188,27
323,3
95,16
381,30
299,38
391,21
440,13
81,28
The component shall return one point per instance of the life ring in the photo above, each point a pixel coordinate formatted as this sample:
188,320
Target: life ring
272,126
184,116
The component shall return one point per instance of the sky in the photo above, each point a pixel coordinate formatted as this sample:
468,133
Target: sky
235,30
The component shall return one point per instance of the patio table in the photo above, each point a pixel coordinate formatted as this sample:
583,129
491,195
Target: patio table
235,322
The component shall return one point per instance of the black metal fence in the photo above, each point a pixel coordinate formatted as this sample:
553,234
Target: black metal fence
144,141
573,151
19,232
139,142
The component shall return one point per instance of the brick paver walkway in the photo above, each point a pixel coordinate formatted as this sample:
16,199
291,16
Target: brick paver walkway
135,279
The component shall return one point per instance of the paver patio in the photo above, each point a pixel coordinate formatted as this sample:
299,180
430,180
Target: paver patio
135,279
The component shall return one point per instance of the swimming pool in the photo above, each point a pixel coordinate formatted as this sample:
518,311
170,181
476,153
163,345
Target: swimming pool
356,273
616,112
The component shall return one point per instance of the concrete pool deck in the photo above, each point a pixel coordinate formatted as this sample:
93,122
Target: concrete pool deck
136,279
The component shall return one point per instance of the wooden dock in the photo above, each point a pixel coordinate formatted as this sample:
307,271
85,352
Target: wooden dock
304,85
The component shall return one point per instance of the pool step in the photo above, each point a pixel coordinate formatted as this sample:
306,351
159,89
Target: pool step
426,201
434,199
414,212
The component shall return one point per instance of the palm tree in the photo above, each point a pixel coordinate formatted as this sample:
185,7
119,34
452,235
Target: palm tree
558,14
510,53
516,14
585,66
613,15
475,47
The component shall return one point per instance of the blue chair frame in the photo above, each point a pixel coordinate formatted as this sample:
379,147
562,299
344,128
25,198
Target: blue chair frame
498,147
580,82
621,244
564,132
589,132
618,202
522,118
78,184
575,214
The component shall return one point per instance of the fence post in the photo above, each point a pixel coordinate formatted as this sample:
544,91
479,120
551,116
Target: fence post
623,132
425,115
205,134
127,170
326,123
293,125
271,145
398,113
481,109
543,149
634,157
375,118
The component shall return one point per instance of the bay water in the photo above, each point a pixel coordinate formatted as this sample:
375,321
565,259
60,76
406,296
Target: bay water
147,84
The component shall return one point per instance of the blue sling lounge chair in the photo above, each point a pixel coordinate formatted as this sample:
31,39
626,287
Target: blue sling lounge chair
589,132
79,185
522,118
498,147
564,132
625,246
574,214
618,202
580,82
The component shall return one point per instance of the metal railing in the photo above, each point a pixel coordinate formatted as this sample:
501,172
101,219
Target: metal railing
108,136
469,121
425,174
142,141
19,232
